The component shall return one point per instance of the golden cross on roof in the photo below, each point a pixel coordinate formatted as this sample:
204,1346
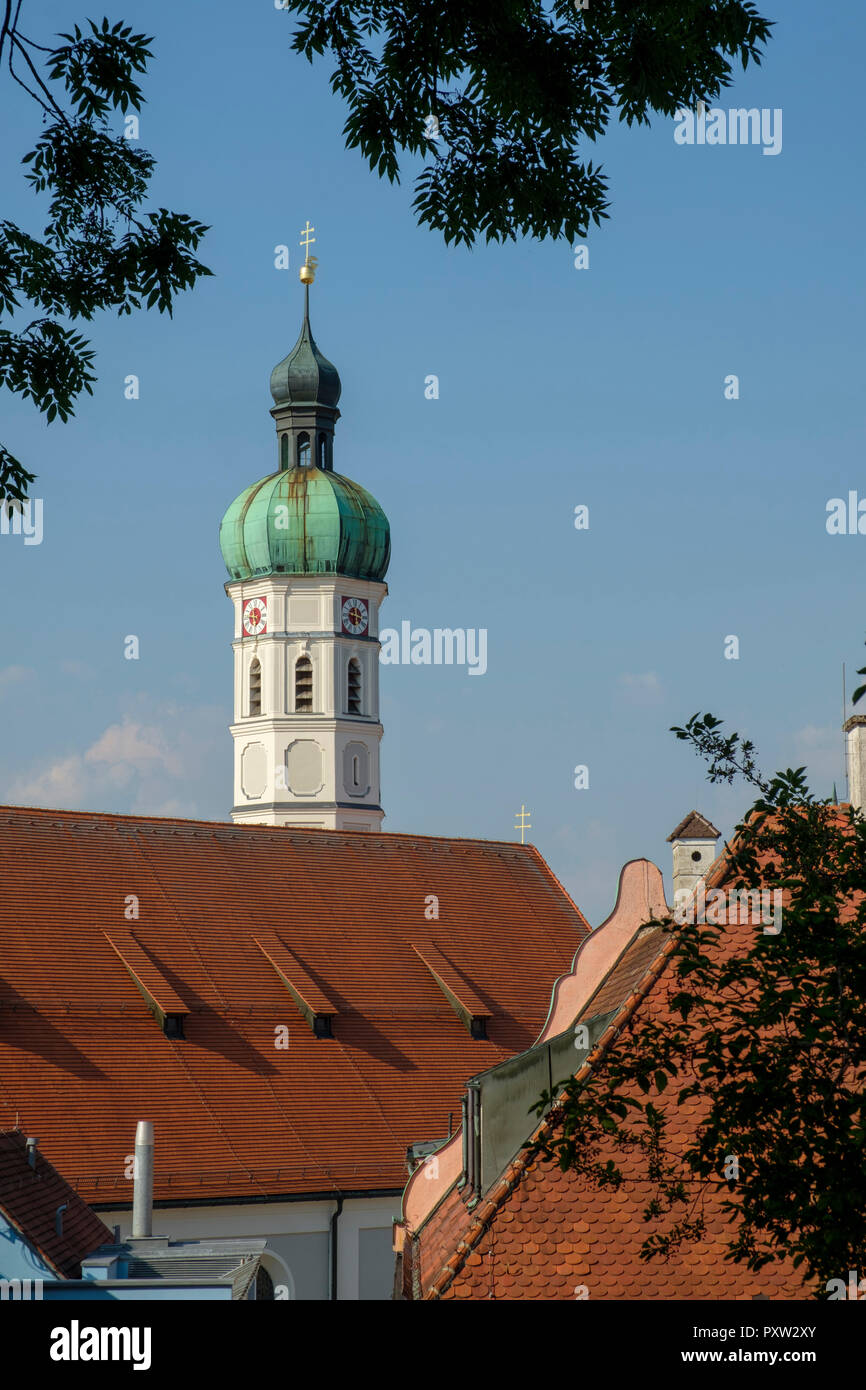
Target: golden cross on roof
524,825
306,239
308,269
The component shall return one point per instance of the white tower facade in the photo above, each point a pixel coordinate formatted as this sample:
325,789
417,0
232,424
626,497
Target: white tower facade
306,725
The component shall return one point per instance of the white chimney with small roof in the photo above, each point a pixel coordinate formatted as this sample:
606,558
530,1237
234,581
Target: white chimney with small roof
694,847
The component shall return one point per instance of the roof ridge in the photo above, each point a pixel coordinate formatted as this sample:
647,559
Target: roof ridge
506,1183
128,816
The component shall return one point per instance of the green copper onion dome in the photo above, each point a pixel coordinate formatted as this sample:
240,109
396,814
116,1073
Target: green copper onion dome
305,520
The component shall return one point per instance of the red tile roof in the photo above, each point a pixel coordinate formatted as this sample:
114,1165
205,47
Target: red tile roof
539,1233
460,994
82,1057
30,1197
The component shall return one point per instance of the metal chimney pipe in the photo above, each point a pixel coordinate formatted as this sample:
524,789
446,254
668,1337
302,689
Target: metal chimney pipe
142,1197
31,1152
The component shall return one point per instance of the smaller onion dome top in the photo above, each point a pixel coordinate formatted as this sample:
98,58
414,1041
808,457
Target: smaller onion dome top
305,377
305,521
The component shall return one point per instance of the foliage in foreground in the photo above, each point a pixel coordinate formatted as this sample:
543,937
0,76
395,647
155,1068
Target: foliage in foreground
498,95
98,249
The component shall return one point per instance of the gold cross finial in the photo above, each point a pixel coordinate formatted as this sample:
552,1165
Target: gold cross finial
308,269
524,825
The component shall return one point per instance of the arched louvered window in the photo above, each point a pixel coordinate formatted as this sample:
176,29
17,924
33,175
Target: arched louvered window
255,687
354,686
303,450
303,684
284,451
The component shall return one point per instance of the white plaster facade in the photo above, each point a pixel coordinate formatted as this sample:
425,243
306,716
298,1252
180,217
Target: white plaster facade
318,768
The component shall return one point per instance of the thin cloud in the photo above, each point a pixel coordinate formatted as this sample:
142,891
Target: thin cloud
141,766
13,675
642,688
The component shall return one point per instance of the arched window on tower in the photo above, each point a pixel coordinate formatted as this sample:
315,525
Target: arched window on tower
354,686
303,451
323,451
284,452
303,685
255,687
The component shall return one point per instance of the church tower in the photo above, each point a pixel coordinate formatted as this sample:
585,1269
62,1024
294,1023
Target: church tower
307,551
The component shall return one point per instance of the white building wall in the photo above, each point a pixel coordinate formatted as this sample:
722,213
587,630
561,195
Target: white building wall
298,1235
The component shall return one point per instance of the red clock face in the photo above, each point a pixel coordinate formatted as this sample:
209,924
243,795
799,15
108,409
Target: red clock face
255,617
356,616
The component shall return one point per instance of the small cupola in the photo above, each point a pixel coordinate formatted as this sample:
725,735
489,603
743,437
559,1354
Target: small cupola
694,849
305,377
306,388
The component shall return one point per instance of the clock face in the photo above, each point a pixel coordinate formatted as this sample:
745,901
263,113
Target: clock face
356,616
255,617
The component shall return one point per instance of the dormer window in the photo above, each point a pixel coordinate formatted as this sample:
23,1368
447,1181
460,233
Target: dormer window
303,451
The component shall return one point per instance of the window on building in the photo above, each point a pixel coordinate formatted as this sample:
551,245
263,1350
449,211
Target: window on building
255,687
284,451
356,771
322,451
303,684
303,450
354,691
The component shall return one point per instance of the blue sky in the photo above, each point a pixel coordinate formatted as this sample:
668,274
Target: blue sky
558,386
